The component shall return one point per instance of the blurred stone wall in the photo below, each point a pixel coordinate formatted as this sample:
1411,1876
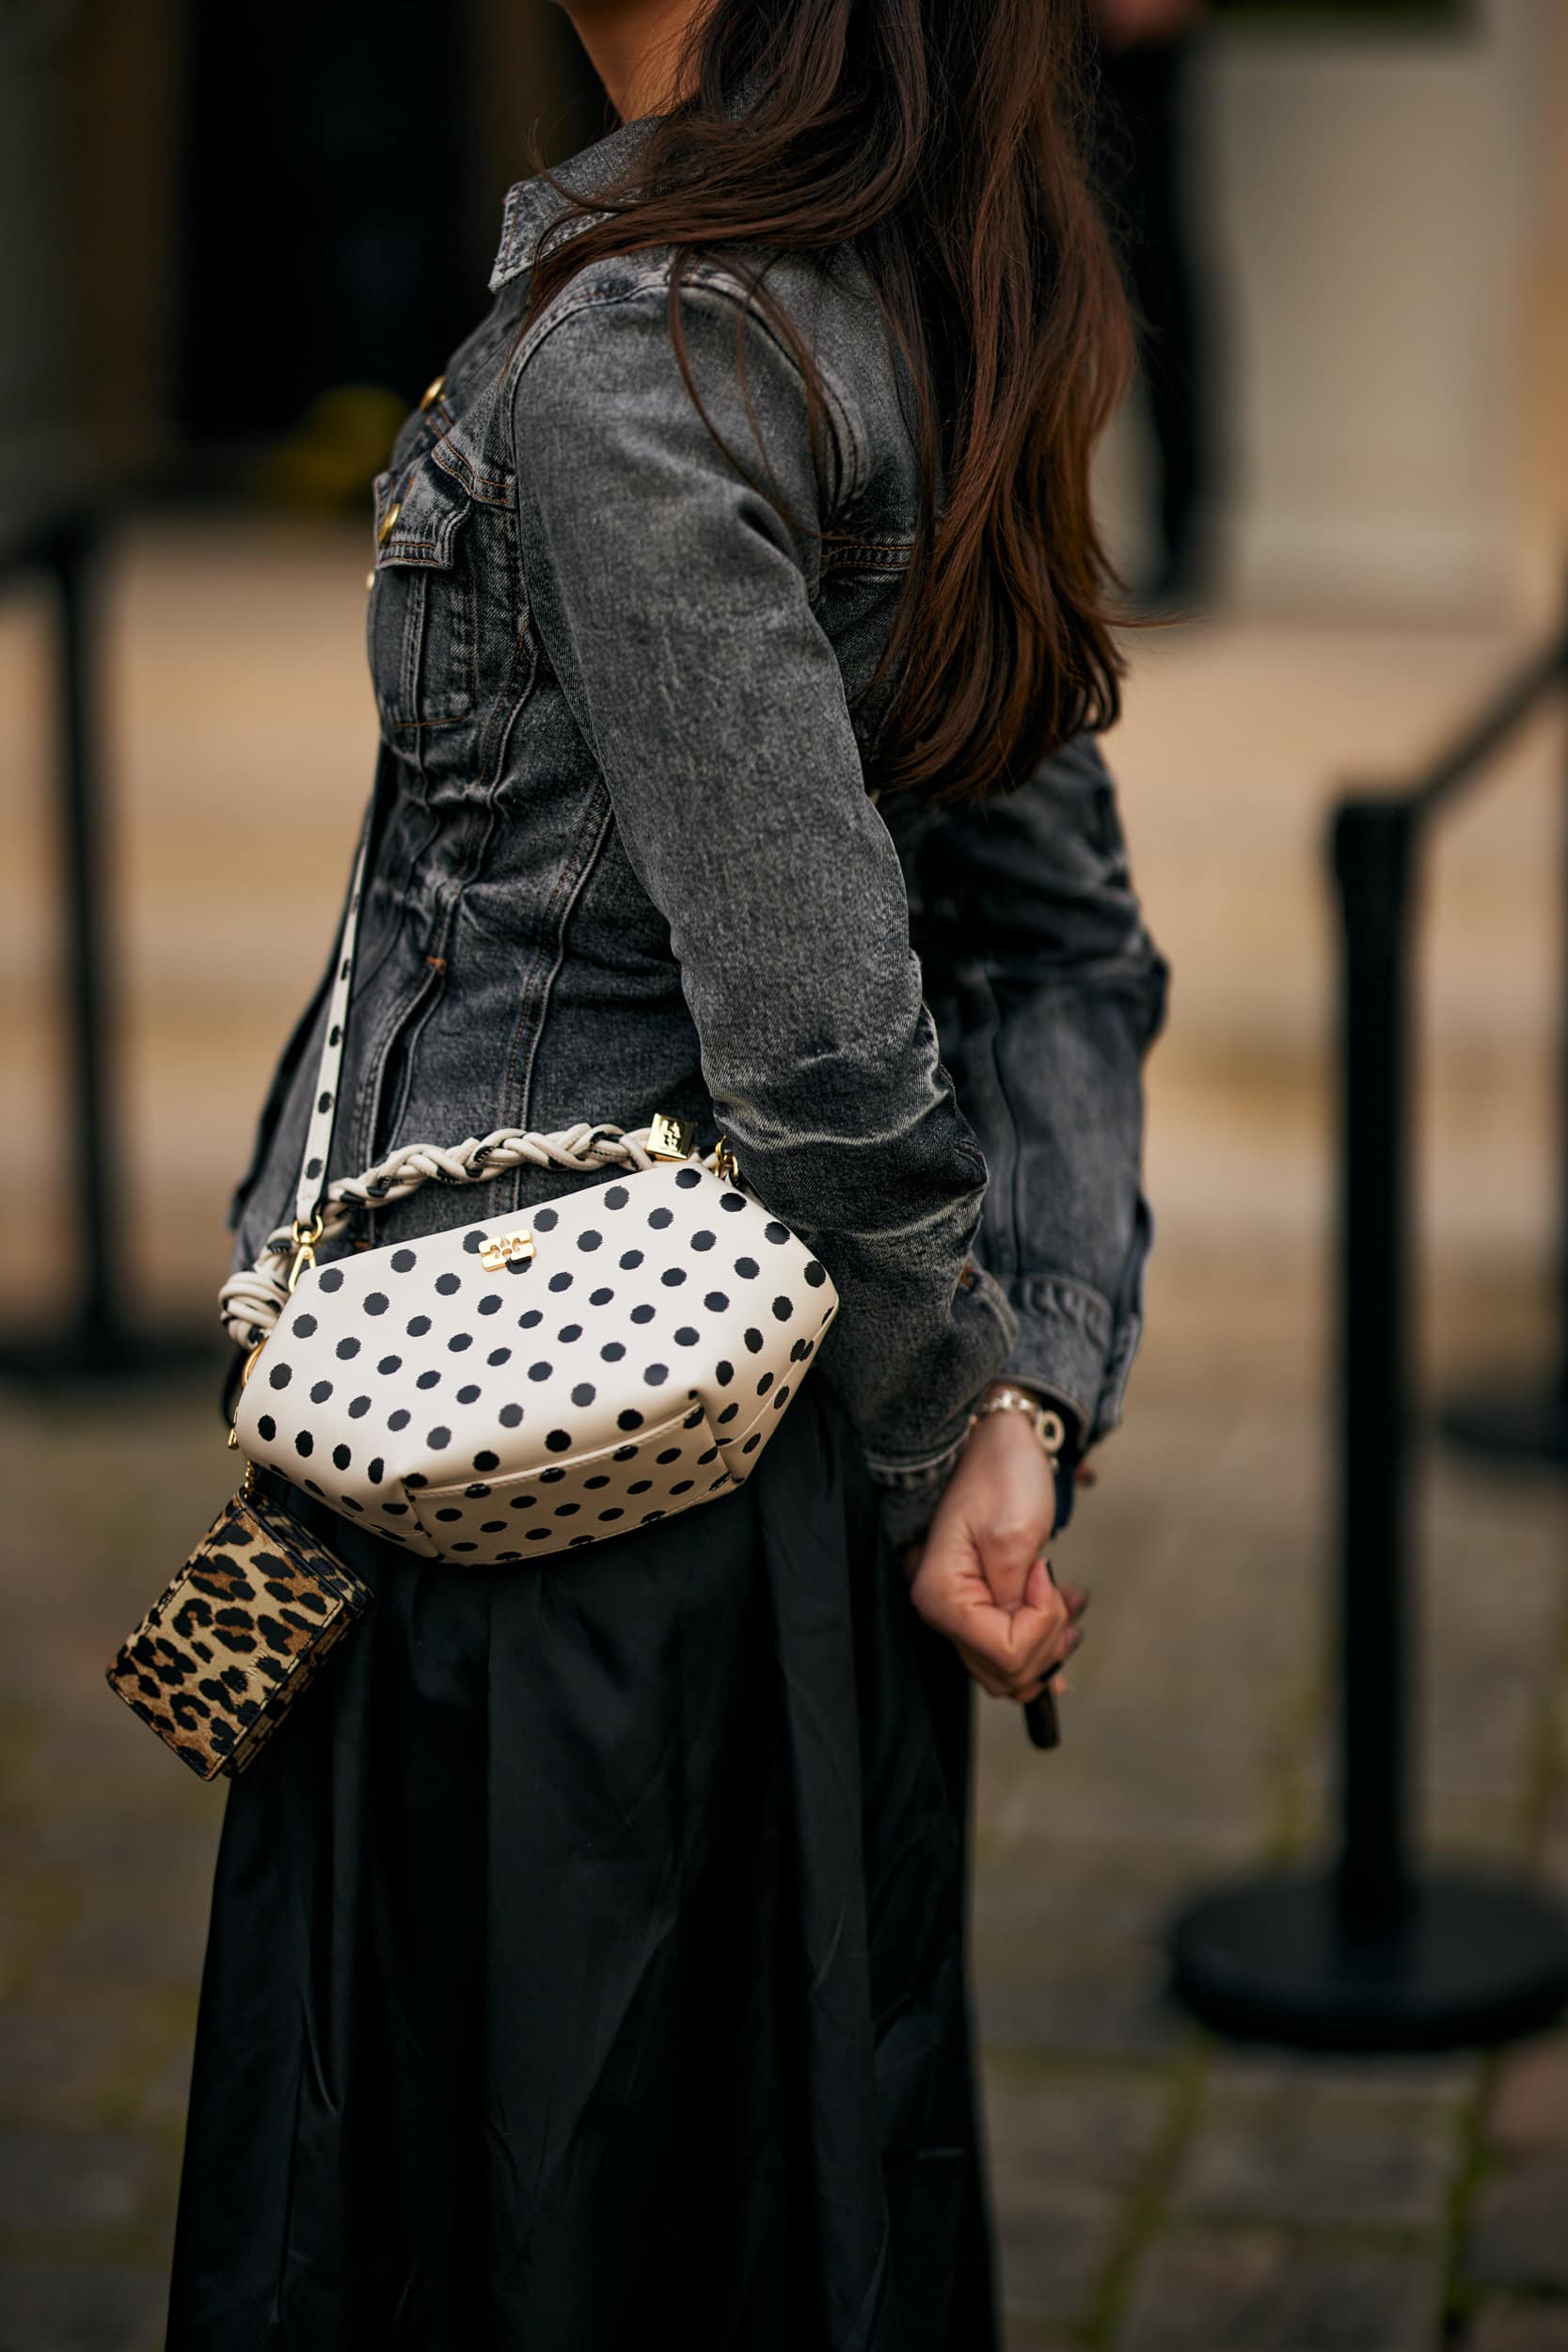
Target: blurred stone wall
1381,208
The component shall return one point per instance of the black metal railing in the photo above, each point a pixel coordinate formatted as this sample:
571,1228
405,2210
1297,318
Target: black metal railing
1372,1951
92,1336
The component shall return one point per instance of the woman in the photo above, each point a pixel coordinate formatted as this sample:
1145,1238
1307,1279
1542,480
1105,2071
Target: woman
586,1963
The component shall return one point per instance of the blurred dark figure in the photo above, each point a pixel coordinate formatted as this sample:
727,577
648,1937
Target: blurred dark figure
1144,139
331,256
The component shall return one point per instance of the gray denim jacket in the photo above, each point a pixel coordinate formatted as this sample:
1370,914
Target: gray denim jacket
627,861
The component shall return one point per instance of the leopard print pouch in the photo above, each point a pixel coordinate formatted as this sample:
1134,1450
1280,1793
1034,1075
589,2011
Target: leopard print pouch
221,1657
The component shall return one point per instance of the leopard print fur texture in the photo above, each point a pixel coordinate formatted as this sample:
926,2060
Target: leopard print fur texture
222,1656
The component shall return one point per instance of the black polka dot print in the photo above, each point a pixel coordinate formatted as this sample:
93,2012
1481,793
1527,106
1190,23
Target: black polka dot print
697,1429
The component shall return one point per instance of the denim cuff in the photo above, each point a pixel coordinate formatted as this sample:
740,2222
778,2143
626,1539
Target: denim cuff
909,1496
1064,1345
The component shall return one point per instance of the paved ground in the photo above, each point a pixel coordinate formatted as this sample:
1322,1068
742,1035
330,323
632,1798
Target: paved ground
1158,2192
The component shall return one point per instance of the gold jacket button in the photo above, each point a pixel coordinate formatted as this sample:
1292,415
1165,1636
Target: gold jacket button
369,577
389,520
433,393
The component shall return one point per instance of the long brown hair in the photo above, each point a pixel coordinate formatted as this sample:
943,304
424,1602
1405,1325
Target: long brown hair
945,138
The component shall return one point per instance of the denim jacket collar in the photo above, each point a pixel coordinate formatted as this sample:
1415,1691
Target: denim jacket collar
533,205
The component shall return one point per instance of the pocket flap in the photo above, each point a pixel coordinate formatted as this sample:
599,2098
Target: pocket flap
418,512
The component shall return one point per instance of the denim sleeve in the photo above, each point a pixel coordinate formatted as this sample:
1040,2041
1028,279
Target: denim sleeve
675,600
1048,990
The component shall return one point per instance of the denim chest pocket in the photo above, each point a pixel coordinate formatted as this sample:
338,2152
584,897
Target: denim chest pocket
424,622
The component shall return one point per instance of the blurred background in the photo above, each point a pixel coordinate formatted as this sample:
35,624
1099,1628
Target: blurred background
231,254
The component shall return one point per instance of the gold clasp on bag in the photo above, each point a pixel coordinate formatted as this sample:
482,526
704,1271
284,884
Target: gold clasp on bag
671,1138
724,1162
505,1250
305,1239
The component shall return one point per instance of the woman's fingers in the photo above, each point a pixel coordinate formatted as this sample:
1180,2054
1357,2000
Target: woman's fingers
1001,1686
981,1672
1007,1650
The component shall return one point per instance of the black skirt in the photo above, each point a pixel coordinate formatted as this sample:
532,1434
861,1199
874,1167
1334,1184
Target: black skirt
586,1962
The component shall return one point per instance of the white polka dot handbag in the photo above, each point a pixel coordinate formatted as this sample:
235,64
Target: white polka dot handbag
528,1383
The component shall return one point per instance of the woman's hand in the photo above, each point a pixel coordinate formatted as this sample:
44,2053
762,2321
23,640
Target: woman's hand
980,1576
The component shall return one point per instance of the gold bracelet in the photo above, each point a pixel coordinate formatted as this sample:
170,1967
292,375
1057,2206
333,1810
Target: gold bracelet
1049,1426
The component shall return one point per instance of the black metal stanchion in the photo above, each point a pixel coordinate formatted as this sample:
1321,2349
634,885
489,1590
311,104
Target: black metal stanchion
99,1335
1511,1420
1370,1953
95,1340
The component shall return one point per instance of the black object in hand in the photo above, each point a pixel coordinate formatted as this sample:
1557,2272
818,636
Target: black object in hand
1041,1720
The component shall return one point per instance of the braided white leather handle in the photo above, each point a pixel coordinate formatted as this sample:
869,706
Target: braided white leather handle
251,1300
